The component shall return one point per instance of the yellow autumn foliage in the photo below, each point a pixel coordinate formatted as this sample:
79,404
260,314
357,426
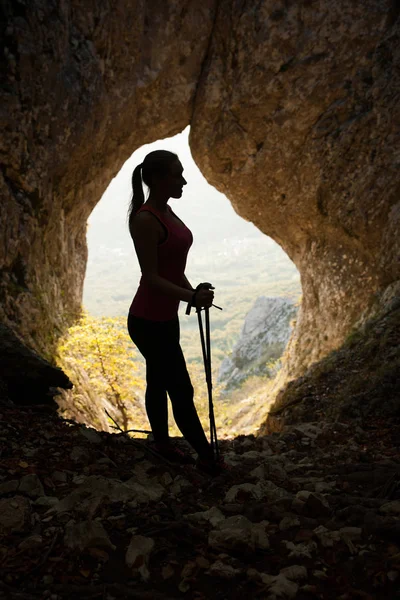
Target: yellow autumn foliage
99,357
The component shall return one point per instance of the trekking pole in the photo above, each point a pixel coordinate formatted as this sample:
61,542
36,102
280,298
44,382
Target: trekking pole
206,349
213,426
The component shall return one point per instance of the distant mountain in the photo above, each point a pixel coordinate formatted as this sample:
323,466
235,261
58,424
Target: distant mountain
265,333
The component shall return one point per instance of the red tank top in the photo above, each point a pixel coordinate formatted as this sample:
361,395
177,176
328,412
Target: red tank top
148,302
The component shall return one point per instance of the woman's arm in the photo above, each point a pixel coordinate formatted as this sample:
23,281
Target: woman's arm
186,284
146,236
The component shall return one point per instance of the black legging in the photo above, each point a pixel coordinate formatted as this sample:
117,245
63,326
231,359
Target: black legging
158,342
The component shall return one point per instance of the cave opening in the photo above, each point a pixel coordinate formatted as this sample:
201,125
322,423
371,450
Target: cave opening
255,282
302,147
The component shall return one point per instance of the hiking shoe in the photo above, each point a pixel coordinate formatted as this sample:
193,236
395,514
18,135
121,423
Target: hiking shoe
173,454
212,467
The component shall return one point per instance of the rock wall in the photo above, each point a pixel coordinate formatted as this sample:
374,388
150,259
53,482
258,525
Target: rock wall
294,114
359,381
84,85
297,121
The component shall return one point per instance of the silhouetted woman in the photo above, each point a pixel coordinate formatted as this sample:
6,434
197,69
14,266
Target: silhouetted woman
162,242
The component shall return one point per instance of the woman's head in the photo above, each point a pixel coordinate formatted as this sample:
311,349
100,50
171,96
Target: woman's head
161,171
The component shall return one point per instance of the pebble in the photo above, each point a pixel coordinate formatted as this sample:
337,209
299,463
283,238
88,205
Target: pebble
47,501
289,522
90,434
59,477
31,542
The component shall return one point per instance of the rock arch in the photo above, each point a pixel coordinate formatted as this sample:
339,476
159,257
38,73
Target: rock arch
294,115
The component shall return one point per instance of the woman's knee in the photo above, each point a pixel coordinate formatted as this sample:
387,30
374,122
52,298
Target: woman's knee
154,390
190,390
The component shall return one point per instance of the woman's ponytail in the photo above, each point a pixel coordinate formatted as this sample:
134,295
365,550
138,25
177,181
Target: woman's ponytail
137,195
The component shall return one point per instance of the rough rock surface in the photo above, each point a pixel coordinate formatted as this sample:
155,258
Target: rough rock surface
263,339
359,380
83,86
26,378
296,120
326,524
294,114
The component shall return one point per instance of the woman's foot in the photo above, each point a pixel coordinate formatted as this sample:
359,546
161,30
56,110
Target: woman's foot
172,453
212,466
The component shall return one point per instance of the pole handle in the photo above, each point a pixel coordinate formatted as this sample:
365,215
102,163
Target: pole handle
192,303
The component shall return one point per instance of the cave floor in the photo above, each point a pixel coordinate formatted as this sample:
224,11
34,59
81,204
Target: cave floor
313,512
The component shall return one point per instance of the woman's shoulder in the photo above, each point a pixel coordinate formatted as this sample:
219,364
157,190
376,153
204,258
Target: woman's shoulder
145,221
144,214
148,212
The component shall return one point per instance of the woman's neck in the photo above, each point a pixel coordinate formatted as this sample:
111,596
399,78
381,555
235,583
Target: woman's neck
158,202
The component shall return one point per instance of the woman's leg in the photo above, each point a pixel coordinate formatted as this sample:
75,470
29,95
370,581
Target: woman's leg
180,391
158,342
144,336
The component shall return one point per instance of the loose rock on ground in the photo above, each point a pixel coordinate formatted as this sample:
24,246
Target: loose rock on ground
109,520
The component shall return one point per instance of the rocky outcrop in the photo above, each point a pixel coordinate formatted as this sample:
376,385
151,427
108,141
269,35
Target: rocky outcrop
266,331
294,114
360,380
25,378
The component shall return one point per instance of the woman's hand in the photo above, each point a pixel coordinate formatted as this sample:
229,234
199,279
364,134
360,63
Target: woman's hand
204,298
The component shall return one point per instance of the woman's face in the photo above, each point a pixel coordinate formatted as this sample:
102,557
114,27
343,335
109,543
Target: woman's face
173,183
